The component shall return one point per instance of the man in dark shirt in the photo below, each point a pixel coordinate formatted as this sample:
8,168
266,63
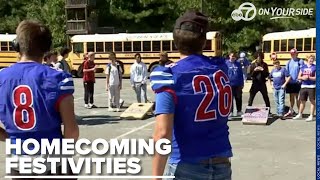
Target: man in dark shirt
259,72
164,60
89,80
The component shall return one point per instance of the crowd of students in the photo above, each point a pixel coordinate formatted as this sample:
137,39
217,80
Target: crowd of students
296,79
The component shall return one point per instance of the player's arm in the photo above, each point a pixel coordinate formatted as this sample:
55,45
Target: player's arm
313,78
86,67
3,134
65,106
162,83
66,109
300,77
288,78
163,129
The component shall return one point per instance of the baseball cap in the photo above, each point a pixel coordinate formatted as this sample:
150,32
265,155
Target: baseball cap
293,51
198,22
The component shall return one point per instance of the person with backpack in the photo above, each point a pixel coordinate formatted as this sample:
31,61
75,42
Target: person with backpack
113,82
293,88
63,64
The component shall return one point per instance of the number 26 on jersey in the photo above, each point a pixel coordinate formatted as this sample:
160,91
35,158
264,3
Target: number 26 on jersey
212,87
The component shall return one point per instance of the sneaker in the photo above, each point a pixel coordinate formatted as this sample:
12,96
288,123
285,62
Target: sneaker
92,106
110,109
86,106
310,119
118,110
289,113
240,113
299,116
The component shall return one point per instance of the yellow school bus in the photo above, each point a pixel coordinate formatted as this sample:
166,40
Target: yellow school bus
8,55
282,42
125,45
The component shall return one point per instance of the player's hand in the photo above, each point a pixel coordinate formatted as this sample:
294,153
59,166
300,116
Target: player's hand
120,86
132,86
257,69
107,87
283,86
304,78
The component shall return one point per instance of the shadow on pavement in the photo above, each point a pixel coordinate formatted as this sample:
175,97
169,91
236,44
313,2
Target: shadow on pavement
97,120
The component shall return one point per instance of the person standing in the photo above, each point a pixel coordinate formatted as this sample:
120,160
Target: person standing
307,75
281,78
259,72
193,101
293,88
235,75
63,64
114,82
244,65
36,99
164,60
89,68
138,78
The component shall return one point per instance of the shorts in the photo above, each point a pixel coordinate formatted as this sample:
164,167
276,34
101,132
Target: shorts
293,88
307,92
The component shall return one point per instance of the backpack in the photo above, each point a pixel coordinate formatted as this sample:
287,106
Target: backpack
118,67
80,70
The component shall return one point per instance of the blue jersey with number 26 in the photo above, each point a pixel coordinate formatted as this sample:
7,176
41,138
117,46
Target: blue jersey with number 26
202,94
29,103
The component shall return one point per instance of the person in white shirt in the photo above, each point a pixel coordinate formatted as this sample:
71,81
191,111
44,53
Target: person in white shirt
114,82
138,78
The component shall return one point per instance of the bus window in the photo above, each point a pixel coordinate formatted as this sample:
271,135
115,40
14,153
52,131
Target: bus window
137,46
267,46
166,46
127,46
108,47
290,44
208,45
11,47
99,47
118,46
78,47
174,48
156,46
307,44
146,46
276,45
314,43
90,46
283,45
4,46
299,44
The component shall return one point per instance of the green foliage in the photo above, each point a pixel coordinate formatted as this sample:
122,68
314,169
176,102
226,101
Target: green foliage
159,16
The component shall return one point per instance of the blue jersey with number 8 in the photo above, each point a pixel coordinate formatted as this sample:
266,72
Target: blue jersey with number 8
203,98
31,93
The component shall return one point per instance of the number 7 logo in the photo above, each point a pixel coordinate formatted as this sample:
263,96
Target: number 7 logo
224,93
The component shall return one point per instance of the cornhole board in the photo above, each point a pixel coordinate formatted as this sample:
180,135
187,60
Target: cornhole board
137,111
256,115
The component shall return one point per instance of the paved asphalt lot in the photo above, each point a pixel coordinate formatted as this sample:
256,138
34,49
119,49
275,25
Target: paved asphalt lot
283,150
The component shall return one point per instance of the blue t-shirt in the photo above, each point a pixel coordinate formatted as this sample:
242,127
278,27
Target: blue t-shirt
279,77
180,90
33,109
235,73
310,71
293,67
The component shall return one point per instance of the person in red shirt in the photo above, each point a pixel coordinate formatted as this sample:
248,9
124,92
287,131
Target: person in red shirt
89,80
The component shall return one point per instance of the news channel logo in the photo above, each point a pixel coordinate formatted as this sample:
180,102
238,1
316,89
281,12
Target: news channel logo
249,9
247,12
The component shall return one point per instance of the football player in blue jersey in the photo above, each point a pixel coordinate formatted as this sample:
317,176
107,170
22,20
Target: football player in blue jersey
35,99
193,102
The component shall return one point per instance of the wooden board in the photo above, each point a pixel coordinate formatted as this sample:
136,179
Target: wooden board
137,111
256,115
